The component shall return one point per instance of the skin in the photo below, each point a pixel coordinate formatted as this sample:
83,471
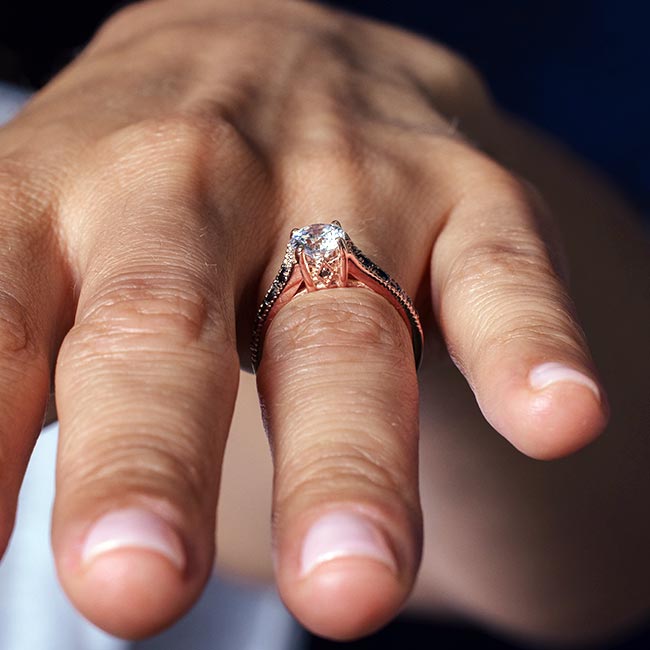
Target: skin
156,180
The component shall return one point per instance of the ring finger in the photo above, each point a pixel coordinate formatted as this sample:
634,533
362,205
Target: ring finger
337,380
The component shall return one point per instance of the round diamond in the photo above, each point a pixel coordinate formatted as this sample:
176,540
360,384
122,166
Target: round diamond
319,242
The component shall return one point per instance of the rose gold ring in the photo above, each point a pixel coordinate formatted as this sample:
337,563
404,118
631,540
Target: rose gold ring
322,256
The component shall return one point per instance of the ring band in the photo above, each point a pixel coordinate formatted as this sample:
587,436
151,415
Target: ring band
322,256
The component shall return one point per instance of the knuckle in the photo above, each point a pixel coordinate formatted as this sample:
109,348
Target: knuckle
326,149
358,473
18,331
359,325
461,81
131,306
23,194
509,194
468,77
330,141
488,183
189,137
151,138
537,322
176,130
24,235
484,277
28,246
15,185
510,255
451,81
514,190
511,282
508,248
103,466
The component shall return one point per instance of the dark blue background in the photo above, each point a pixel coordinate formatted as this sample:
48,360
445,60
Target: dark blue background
579,69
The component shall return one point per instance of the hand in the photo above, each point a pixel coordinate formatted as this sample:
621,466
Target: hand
156,181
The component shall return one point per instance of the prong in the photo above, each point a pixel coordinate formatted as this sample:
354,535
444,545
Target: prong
343,274
336,222
294,231
306,275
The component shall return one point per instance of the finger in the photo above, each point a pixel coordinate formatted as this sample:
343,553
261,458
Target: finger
338,384
146,381
33,289
508,320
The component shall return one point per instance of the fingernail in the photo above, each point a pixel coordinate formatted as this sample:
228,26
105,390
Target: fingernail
133,528
550,373
343,534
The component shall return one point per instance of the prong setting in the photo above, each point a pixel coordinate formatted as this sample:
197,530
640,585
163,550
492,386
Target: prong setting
322,256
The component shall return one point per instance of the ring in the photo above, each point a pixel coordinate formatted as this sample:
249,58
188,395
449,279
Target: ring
322,256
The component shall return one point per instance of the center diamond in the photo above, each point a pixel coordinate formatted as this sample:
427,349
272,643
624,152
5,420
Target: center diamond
318,247
318,241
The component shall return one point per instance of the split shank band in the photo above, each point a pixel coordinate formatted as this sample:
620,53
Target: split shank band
322,256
